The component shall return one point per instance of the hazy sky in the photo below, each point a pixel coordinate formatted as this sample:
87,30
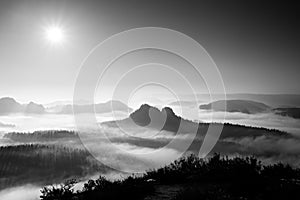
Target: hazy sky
256,45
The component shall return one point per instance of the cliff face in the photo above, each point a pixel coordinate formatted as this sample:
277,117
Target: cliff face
152,117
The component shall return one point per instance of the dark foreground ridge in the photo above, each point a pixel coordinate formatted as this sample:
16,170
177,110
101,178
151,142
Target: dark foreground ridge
193,178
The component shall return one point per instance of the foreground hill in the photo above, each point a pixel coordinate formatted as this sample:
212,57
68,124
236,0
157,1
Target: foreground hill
243,106
192,178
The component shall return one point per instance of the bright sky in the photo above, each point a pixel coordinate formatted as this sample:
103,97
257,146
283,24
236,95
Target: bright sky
42,43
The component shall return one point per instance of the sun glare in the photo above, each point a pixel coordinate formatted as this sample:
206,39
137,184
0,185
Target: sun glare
54,34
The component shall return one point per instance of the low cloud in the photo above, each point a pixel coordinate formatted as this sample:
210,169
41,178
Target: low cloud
136,152
271,149
26,192
7,125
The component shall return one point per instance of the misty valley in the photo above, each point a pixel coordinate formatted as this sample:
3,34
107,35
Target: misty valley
149,100
67,156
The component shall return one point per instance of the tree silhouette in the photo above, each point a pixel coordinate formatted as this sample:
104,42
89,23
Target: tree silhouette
213,178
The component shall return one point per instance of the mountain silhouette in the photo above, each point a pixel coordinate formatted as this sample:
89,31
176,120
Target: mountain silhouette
167,120
152,117
9,105
34,108
242,106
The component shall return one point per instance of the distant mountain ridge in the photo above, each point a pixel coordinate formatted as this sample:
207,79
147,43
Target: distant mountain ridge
9,105
274,100
250,107
242,106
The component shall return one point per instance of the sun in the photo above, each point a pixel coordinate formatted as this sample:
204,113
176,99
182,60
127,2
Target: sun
55,34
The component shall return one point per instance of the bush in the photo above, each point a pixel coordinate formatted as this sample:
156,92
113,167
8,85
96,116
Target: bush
214,178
